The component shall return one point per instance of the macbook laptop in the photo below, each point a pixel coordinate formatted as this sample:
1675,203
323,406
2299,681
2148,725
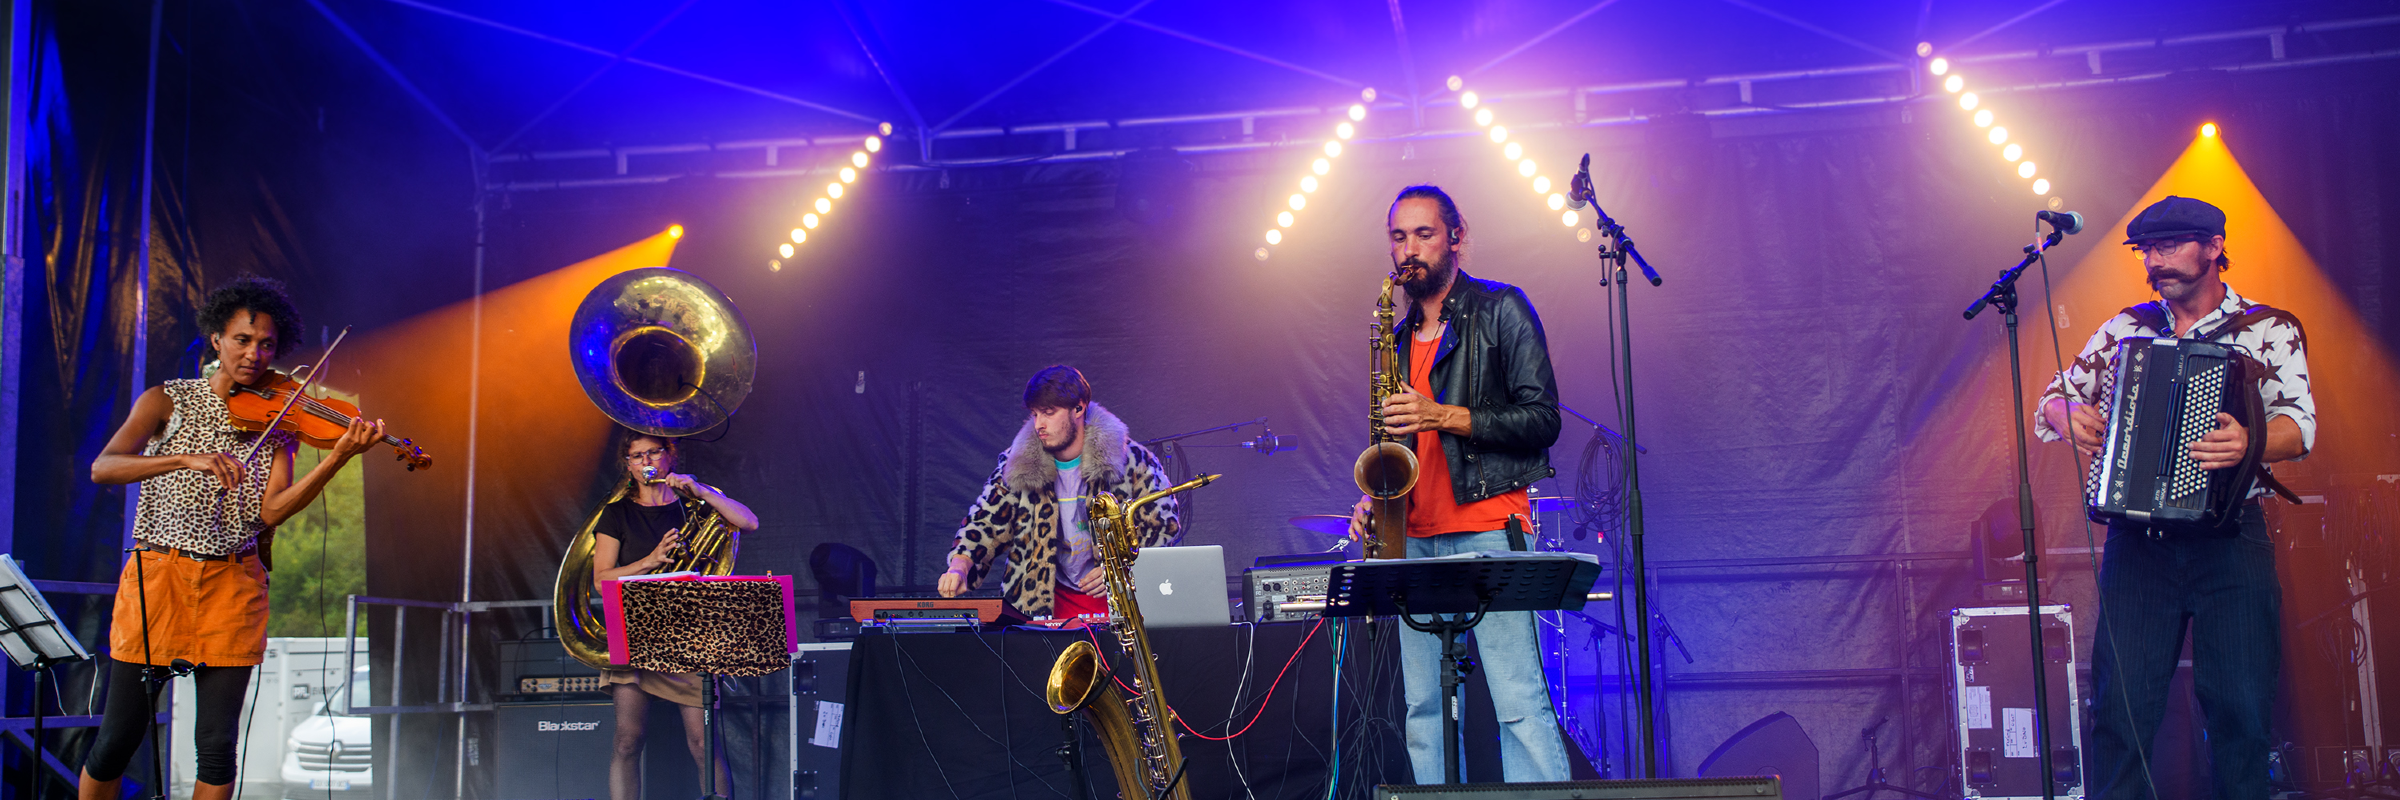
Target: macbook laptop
1182,587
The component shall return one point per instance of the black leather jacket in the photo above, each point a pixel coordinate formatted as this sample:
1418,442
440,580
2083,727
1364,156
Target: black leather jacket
1494,360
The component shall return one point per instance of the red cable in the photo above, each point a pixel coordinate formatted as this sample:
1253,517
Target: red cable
1262,703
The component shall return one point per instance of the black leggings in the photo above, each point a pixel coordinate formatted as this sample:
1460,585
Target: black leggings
217,700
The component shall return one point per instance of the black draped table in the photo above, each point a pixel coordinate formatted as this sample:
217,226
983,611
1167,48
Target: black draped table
961,715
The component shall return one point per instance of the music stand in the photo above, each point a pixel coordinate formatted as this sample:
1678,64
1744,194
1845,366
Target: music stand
34,640
690,624
1450,589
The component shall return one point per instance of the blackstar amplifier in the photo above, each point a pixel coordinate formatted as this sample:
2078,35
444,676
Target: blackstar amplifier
1276,594
1991,682
2163,395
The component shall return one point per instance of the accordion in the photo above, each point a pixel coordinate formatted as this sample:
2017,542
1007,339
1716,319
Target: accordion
2163,395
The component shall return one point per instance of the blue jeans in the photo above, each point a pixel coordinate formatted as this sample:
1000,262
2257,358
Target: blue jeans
2224,586
1511,663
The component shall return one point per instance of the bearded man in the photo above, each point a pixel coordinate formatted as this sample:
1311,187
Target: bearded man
2220,583
1481,407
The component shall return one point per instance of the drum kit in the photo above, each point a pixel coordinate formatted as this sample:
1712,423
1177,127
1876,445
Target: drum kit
1338,525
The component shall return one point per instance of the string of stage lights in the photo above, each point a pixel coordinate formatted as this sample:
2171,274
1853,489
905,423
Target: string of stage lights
816,211
1515,153
1997,134
1309,181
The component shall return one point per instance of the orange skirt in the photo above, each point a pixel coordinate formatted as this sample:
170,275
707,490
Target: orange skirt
682,689
210,613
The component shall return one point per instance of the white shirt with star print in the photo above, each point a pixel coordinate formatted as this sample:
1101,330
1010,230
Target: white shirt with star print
2282,346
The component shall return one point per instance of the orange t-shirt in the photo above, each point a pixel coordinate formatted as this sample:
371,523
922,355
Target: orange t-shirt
1433,507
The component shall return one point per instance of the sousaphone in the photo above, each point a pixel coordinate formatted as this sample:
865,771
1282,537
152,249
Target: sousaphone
666,354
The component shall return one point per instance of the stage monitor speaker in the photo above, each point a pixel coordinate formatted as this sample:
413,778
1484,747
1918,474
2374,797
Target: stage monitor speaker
1772,746
1637,789
820,687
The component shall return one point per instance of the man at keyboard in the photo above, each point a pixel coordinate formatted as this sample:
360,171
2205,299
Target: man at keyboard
1032,509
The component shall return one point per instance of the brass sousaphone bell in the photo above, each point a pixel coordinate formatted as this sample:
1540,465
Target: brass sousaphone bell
666,354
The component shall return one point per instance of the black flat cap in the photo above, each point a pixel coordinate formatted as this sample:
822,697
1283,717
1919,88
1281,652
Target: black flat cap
2175,216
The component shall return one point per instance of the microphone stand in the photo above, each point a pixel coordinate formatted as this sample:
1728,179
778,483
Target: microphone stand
1615,250
2003,296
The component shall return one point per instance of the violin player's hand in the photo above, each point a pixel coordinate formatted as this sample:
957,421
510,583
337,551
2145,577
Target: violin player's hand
359,437
227,468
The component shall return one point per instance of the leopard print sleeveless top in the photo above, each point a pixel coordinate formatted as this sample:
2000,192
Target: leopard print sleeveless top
186,509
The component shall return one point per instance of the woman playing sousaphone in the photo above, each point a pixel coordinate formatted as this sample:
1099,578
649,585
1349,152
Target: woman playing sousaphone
638,534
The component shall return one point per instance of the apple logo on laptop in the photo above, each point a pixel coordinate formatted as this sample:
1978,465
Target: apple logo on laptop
1166,587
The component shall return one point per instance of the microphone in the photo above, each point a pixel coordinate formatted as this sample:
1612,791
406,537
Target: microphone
2068,222
1581,186
1268,444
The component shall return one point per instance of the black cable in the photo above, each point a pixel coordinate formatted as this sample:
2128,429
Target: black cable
241,763
2141,750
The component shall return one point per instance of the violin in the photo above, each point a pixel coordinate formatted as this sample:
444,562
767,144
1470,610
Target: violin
316,421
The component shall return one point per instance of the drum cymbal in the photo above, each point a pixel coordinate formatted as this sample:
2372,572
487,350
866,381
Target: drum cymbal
1328,524
1545,505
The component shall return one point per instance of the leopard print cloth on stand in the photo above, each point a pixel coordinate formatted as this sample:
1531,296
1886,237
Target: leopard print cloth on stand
719,627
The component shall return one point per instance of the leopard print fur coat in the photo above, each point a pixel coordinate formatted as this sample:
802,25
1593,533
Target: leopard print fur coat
1016,515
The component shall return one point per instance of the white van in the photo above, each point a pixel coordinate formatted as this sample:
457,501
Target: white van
331,754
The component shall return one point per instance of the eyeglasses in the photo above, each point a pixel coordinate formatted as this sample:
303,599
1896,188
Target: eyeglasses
2164,248
645,455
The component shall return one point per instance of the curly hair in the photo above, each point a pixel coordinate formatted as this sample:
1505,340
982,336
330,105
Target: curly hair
258,296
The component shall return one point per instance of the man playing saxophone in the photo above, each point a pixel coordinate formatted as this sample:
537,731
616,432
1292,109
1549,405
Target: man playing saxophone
1482,410
650,521
1031,510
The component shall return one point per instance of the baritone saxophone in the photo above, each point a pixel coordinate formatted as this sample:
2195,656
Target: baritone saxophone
1138,731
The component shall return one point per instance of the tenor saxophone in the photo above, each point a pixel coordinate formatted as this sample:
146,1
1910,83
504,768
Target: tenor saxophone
1388,468
1137,732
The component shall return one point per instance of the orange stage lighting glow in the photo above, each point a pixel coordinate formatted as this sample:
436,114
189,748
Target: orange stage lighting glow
533,433
2352,377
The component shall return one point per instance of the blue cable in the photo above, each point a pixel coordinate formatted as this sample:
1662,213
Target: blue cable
1333,773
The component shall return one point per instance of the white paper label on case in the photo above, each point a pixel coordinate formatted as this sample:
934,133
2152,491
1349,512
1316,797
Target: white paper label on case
1978,707
829,725
2016,733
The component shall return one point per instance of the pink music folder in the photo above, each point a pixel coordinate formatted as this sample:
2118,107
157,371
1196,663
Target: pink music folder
612,599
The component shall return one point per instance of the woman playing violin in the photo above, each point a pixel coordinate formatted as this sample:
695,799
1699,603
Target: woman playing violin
195,590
